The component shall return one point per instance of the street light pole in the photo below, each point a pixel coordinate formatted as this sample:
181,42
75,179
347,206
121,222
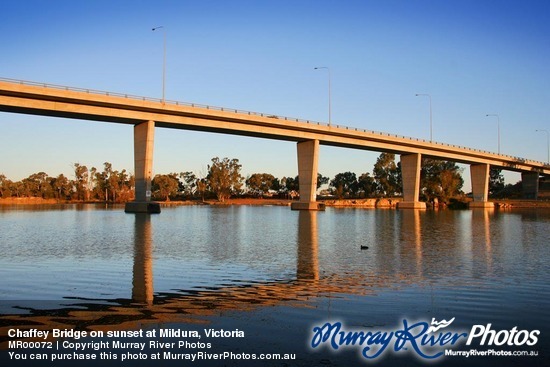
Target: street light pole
547,144
431,126
498,127
163,62
329,101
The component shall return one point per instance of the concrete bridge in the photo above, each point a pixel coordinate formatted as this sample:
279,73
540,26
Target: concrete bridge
147,113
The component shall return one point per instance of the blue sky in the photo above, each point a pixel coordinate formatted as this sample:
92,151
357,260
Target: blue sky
473,57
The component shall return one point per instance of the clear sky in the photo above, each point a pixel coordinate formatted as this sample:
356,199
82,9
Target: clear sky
474,57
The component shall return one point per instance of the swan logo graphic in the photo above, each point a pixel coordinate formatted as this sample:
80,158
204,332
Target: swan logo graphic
439,325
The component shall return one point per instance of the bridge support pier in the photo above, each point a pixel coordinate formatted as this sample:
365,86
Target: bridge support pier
410,172
144,136
479,174
530,185
308,159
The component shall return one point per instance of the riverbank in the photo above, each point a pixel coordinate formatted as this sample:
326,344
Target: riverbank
344,203
236,201
30,201
518,203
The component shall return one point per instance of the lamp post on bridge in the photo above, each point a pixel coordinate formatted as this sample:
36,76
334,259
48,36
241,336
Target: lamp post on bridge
547,144
329,102
498,128
163,62
431,128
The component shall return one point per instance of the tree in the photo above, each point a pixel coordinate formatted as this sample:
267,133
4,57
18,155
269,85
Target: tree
38,185
61,186
290,184
81,175
17,189
276,185
260,183
293,184
3,184
89,184
164,186
496,181
110,184
112,181
344,184
386,175
125,182
5,187
202,187
100,186
322,180
106,182
224,177
188,183
365,185
510,191
440,179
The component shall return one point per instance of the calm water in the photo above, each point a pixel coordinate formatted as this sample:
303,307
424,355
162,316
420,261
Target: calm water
276,273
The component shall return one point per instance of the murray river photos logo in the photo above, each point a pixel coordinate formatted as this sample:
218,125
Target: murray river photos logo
426,340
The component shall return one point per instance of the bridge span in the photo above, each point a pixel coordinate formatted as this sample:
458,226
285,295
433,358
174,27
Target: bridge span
147,113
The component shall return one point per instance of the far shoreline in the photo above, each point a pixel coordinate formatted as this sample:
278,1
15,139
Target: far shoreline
371,203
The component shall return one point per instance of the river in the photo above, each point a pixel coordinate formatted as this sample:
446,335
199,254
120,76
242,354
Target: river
277,274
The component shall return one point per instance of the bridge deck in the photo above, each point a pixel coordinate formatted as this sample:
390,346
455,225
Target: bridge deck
52,100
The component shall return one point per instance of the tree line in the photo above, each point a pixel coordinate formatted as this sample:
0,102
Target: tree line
440,180
89,184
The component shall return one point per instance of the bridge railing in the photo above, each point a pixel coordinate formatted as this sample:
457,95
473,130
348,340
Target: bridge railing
225,109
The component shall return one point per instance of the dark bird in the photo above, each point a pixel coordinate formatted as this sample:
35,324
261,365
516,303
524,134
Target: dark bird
363,247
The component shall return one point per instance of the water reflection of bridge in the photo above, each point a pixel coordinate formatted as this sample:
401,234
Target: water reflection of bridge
146,308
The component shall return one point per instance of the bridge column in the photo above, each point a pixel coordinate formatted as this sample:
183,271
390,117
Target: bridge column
144,136
530,185
410,173
308,158
479,174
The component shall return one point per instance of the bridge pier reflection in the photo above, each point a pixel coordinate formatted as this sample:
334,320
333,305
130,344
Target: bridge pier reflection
412,236
142,280
307,259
